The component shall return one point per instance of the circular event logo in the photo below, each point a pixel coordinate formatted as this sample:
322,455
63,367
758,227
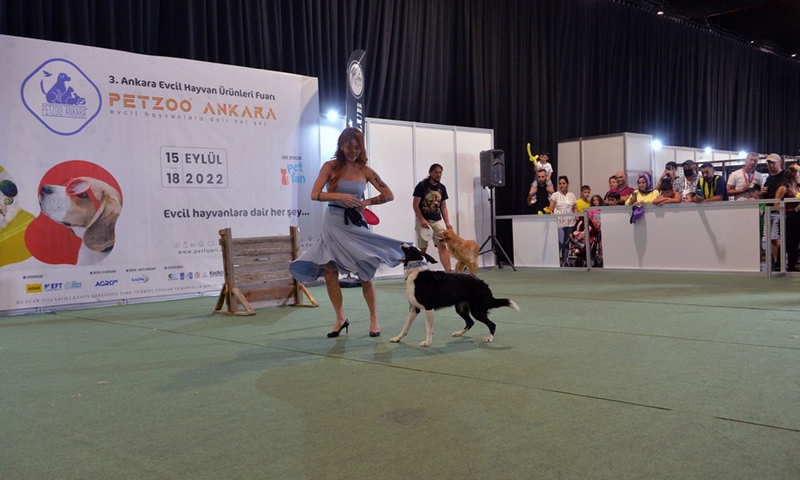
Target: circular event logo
355,79
61,96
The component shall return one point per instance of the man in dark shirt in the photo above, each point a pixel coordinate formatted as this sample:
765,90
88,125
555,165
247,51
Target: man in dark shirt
430,209
771,184
711,187
539,195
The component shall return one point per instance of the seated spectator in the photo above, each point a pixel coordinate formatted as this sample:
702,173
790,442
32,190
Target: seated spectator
755,194
668,194
686,185
670,172
612,199
612,186
645,194
623,188
743,183
711,187
583,202
578,238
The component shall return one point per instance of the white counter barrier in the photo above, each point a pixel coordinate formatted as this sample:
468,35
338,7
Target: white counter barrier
714,237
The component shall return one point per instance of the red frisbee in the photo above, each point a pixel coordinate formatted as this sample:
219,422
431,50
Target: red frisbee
370,217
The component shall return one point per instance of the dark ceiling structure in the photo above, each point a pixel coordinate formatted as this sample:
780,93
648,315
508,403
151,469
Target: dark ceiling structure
772,26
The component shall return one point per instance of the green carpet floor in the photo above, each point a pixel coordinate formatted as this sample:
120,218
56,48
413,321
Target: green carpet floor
602,375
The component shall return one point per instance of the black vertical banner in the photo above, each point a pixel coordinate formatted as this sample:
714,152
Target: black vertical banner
354,111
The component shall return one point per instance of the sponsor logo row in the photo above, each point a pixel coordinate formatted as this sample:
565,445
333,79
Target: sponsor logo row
136,279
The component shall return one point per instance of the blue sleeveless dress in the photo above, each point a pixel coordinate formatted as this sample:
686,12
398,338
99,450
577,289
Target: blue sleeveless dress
354,248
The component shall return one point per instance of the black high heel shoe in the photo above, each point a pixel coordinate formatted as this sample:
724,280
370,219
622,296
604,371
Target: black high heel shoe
345,326
374,334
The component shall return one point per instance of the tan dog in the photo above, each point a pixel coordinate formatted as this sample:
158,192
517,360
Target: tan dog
91,208
465,251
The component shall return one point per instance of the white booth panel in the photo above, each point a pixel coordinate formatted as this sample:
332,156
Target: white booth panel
700,157
723,237
601,158
722,156
535,241
683,154
638,154
662,157
569,163
474,213
435,144
391,151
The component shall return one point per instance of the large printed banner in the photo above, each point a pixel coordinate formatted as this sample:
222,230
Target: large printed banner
118,170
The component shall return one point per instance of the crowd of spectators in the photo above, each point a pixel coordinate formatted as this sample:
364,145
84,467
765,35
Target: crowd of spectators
690,183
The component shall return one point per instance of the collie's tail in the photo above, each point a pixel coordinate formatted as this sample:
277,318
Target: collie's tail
504,302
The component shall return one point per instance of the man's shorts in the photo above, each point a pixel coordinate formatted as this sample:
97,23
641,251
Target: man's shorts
775,226
438,227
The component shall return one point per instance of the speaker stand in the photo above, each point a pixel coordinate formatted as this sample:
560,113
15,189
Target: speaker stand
495,246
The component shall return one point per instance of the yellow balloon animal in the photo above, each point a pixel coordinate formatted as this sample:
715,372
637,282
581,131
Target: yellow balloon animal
534,158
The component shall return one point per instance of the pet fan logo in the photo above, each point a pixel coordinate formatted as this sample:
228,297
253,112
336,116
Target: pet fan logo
293,173
61,96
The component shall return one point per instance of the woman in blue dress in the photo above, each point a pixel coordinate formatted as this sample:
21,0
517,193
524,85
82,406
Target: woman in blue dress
346,244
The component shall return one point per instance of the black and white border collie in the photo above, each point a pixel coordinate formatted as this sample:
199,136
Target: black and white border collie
431,290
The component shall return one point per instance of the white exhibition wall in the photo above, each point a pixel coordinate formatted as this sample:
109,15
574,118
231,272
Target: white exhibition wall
591,160
402,152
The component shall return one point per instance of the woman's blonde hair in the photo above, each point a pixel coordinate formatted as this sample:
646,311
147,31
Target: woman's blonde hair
347,135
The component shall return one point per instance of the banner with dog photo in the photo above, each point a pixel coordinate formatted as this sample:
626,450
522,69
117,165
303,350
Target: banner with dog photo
118,170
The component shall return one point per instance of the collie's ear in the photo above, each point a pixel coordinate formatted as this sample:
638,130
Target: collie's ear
429,258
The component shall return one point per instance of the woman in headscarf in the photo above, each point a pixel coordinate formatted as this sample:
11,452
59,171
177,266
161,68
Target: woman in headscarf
645,194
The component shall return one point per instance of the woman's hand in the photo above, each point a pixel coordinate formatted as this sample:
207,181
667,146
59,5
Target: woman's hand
350,201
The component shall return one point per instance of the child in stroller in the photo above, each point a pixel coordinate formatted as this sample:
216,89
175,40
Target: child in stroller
577,241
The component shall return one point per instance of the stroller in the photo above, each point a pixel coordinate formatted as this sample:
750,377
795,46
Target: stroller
577,243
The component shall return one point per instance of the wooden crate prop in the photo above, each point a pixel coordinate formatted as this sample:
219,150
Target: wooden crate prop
257,273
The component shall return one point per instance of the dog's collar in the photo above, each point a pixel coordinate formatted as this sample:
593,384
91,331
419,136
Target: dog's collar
415,265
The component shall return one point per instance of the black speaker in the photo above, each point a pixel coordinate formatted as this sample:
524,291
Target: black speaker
493,168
